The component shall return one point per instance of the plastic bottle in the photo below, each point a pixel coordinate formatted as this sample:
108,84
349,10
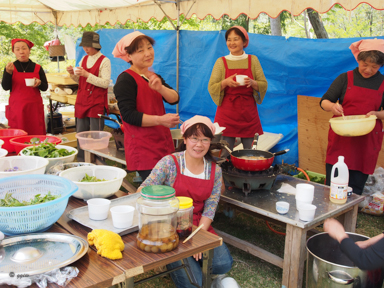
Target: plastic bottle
339,184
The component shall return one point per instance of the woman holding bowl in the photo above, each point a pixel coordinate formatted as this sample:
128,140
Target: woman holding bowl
358,92
140,94
237,101
25,79
193,173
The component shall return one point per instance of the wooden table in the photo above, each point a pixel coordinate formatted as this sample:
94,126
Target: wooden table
96,271
261,204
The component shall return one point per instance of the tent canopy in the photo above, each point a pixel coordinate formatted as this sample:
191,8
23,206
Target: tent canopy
83,12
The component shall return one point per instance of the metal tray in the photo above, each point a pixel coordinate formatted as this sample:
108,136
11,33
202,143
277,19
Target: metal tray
33,254
81,215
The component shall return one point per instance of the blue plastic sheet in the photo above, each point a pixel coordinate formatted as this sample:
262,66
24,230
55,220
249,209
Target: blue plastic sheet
292,66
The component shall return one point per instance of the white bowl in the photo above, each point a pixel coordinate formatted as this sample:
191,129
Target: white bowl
307,212
54,161
282,207
305,192
353,125
3,152
102,189
98,208
122,216
26,164
241,79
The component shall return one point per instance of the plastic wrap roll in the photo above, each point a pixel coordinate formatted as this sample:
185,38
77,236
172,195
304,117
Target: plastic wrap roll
69,91
60,91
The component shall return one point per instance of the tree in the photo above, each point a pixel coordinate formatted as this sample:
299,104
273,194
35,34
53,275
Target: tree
317,24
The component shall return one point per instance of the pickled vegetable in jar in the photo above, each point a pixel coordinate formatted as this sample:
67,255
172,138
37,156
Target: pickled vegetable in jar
157,209
184,217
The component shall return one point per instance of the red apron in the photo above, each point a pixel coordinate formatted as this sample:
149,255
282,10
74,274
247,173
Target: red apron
360,152
26,110
238,111
91,100
197,189
145,146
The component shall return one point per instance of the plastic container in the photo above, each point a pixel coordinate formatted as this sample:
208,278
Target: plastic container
19,141
93,140
33,218
113,175
353,125
339,185
282,207
184,217
157,209
98,208
3,152
122,216
307,212
22,165
304,194
8,134
54,161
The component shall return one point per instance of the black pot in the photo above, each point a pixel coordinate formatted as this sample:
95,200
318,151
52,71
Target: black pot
57,123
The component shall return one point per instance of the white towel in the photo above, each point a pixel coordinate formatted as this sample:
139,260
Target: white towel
286,188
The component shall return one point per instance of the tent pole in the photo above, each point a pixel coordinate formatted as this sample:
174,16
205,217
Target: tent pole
57,36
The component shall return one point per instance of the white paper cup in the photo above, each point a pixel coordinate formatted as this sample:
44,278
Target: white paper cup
305,192
307,212
30,82
98,208
240,79
282,207
122,216
76,70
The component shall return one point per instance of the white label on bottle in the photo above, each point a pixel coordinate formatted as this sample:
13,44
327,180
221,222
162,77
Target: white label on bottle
339,191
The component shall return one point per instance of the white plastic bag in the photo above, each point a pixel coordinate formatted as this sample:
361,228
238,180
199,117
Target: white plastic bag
223,281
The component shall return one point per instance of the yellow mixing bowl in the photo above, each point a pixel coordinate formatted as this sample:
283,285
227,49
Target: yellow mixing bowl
354,125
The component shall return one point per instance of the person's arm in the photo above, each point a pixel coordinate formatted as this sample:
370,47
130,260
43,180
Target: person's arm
210,205
6,82
71,73
259,84
156,83
214,85
164,173
104,75
43,78
335,93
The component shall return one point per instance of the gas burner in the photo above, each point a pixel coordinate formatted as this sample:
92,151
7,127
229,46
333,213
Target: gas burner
249,180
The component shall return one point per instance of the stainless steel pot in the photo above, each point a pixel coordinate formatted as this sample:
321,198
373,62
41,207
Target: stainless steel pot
328,267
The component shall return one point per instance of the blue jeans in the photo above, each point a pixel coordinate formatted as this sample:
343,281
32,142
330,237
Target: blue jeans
221,264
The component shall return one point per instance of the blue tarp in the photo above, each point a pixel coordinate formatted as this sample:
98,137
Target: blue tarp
292,66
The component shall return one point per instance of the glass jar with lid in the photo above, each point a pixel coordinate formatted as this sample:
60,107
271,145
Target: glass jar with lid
184,217
157,207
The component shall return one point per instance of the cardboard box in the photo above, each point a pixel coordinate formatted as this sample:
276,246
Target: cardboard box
71,137
60,79
71,99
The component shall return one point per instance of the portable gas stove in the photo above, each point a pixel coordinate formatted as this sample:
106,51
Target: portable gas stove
249,180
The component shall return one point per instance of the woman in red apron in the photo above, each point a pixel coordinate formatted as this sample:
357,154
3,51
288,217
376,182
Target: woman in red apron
193,173
236,100
360,91
140,94
25,109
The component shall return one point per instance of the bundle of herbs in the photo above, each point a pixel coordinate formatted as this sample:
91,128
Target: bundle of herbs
10,201
46,150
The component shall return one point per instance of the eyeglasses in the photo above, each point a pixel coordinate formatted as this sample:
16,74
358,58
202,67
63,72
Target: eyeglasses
205,141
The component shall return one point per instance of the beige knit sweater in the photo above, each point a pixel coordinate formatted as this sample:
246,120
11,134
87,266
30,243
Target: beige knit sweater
218,75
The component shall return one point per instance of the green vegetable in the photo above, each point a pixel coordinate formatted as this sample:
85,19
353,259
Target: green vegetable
36,140
88,178
10,201
316,179
46,150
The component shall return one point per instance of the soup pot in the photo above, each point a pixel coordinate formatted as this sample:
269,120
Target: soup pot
242,159
328,266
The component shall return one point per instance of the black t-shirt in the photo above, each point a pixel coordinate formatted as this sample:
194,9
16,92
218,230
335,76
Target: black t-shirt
125,91
29,67
338,88
366,259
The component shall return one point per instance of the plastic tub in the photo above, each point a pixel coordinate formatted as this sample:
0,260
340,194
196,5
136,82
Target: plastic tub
19,142
3,152
93,140
353,125
25,164
33,218
87,190
8,134
54,161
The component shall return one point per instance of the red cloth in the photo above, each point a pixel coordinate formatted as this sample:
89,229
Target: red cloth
238,111
197,189
91,100
360,152
29,43
25,110
145,146
52,42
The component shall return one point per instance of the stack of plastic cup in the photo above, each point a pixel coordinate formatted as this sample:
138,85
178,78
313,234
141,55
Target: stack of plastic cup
304,194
